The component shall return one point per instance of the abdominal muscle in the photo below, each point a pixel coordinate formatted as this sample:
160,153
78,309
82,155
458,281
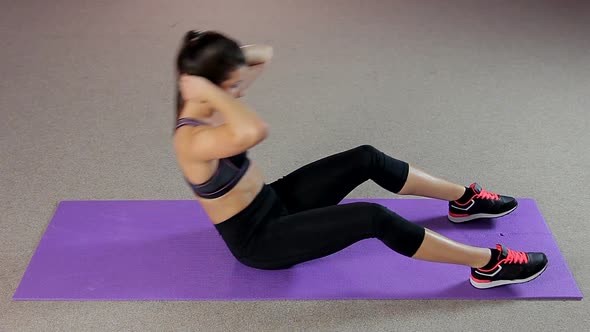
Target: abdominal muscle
237,199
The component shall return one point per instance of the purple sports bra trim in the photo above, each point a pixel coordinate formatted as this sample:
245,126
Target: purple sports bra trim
188,122
230,164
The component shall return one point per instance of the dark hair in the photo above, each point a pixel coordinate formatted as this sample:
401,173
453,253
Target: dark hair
208,54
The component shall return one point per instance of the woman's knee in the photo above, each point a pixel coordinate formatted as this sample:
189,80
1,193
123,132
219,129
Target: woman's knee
382,215
365,157
396,232
366,150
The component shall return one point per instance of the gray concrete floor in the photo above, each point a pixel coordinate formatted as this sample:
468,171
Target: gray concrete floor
494,92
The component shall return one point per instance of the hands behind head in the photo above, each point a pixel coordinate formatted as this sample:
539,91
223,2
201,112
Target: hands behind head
193,88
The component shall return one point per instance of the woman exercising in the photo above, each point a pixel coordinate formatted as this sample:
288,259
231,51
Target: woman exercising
297,218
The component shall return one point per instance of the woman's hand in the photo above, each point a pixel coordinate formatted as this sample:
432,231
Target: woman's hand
194,88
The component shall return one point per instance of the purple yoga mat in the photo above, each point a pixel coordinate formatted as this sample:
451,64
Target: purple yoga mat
169,250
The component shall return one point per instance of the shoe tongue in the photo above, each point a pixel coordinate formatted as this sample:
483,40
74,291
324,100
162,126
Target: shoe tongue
503,251
476,188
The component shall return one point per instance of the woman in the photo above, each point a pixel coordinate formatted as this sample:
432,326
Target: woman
296,218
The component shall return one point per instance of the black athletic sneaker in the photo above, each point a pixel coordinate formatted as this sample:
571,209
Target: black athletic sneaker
483,204
513,267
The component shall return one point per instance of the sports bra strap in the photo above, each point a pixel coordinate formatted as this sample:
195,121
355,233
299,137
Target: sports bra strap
188,122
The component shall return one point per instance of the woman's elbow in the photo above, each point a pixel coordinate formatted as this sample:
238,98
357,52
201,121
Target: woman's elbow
263,130
259,133
254,134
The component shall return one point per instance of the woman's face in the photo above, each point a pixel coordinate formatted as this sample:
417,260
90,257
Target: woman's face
233,85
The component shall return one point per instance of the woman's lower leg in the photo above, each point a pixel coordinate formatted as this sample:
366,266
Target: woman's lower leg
413,240
420,183
437,248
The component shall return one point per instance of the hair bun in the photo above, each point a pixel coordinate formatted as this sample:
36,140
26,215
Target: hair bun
193,35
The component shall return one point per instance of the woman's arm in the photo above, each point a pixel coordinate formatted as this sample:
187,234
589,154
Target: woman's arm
242,129
257,56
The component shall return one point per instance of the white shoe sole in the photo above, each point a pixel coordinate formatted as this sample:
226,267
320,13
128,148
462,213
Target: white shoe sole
459,220
491,284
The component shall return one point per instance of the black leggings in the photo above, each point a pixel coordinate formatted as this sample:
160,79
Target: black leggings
297,219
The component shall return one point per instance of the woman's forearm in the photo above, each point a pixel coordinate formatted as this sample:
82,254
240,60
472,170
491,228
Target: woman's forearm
237,115
257,54
250,75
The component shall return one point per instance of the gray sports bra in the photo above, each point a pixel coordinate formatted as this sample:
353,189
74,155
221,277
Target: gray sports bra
229,171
